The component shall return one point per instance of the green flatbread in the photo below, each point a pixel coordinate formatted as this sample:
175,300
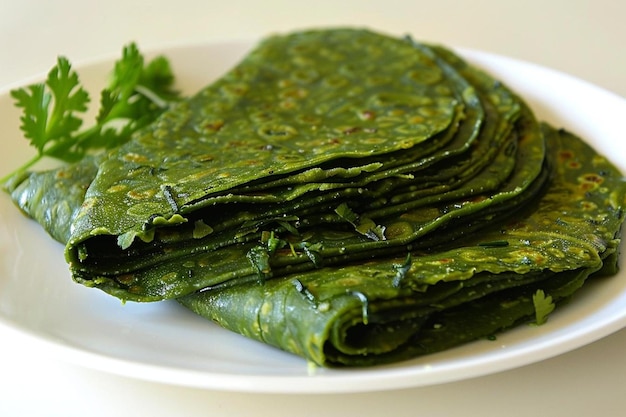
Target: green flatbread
280,111
370,313
282,200
178,245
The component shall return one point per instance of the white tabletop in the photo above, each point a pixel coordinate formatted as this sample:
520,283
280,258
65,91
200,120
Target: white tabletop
583,38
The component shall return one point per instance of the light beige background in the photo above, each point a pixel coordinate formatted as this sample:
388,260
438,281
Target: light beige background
583,38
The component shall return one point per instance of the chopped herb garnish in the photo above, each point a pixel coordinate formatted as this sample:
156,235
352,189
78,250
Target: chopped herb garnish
201,229
346,213
368,228
259,257
313,252
401,270
543,306
273,242
302,289
285,222
363,225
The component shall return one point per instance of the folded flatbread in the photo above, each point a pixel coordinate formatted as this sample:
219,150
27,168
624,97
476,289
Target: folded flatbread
385,310
345,195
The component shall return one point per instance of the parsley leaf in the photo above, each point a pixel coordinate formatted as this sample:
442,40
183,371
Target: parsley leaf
53,111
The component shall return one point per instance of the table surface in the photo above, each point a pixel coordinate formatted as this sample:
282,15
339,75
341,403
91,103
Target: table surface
582,38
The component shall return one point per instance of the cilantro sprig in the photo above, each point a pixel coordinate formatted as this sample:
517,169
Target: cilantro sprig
53,111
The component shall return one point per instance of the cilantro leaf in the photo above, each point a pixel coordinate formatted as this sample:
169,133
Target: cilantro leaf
346,213
69,97
272,241
363,225
53,111
259,257
135,96
543,306
49,110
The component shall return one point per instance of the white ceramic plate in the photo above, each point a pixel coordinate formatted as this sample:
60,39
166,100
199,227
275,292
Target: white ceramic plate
41,306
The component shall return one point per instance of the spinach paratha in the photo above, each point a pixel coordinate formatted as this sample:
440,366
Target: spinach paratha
345,195
387,310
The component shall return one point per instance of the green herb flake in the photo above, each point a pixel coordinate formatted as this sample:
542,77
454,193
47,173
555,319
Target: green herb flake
201,229
401,270
346,213
260,260
313,253
302,289
543,307
274,243
363,225
368,228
